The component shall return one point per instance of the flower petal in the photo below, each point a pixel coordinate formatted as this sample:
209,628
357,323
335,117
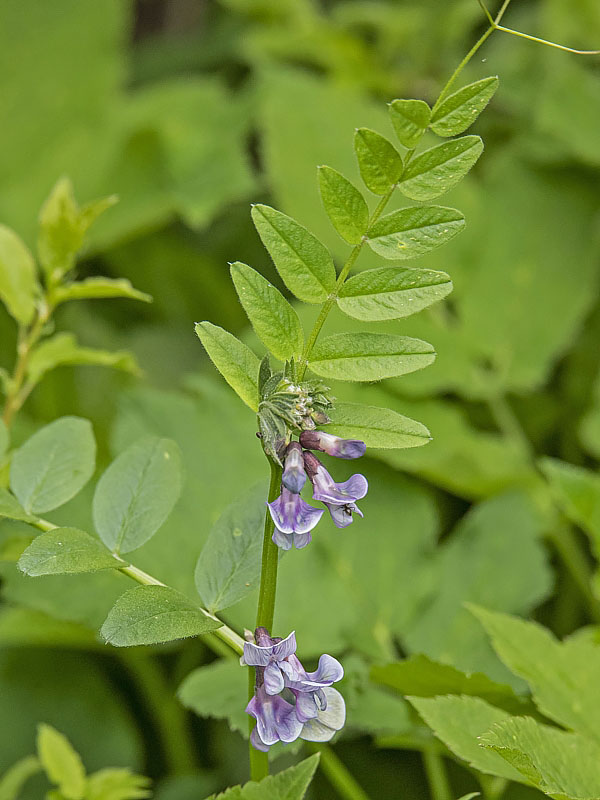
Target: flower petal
291,514
328,491
257,742
327,722
273,679
256,656
329,671
341,515
301,540
286,647
283,540
306,707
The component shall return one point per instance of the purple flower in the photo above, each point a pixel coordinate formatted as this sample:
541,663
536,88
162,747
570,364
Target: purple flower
294,476
332,445
290,702
276,719
294,519
340,498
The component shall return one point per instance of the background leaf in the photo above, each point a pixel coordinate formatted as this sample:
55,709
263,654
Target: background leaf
19,288
14,778
53,465
61,762
376,427
229,564
136,493
62,349
153,614
96,287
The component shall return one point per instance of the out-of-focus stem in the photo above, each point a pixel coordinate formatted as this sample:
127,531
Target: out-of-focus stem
337,773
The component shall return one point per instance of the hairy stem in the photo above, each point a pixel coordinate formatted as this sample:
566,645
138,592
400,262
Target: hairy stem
259,763
337,773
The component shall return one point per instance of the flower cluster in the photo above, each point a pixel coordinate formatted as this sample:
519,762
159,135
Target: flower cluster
293,517
289,702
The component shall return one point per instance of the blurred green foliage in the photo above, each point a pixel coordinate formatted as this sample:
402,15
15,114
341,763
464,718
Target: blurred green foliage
189,111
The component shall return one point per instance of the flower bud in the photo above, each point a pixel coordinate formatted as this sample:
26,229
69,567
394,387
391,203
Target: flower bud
294,476
332,445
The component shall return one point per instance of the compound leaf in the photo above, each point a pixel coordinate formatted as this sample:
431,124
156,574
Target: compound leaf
344,204
234,360
413,231
438,169
410,119
379,162
460,110
65,551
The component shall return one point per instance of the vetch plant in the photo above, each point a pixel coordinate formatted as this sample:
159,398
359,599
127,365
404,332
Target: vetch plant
288,388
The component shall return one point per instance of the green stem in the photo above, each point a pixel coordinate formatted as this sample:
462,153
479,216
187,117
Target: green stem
259,762
328,304
169,717
564,540
437,778
491,786
337,773
27,340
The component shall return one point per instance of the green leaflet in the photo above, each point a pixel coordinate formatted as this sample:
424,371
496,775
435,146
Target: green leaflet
379,162
392,292
97,288
458,722
136,493
411,232
154,614
419,676
62,349
291,784
61,762
435,171
53,465
576,491
410,119
13,780
219,691
303,262
65,551
234,360
369,356
274,320
11,508
117,783
560,764
344,204
229,565
376,427
19,288
563,676
460,110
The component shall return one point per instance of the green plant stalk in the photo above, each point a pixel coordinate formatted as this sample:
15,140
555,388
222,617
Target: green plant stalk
268,584
259,761
28,338
437,778
337,773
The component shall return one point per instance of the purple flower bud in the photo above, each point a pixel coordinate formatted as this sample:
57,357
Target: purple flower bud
293,518
332,445
294,476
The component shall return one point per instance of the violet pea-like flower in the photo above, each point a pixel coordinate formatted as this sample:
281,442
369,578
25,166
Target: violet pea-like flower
294,518
340,498
309,689
332,445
